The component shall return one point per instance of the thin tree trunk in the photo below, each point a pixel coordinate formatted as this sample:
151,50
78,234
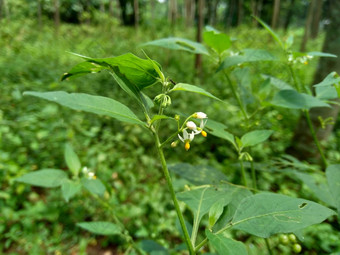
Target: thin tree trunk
1,7
316,19
214,17
136,10
111,12
289,15
39,15
308,25
189,12
152,5
200,12
102,6
231,12
302,144
275,16
240,12
172,14
56,16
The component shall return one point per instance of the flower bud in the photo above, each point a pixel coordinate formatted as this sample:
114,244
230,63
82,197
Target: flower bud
177,117
191,125
174,144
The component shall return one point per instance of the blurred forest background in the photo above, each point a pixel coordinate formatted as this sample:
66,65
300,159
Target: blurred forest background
35,38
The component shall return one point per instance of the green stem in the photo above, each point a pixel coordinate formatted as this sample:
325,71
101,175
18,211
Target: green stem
243,172
253,175
233,90
173,196
317,143
268,246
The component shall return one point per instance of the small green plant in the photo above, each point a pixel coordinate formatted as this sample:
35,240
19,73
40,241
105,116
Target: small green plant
227,206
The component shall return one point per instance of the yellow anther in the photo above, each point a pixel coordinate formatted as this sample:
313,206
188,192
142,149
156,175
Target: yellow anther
94,177
187,146
204,134
306,62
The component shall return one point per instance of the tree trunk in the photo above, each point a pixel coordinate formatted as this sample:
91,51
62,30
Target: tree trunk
214,13
240,12
308,25
102,6
303,145
172,13
111,12
152,5
56,16
200,12
1,7
316,19
136,10
231,12
289,15
189,12
275,17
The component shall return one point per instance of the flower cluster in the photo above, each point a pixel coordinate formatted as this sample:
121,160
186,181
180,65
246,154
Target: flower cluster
302,60
191,126
88,173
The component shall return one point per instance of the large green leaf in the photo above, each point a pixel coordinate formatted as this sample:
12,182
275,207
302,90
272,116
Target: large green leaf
69,189
201,199
140,72
225,245
198,175
94,186
220,130
333,177
255,137
175,43
100,227
327,89
247,55
279,84
94,104
217,41
295,100
321,54
153,248
72,159
194,89
267,214
48,178
318,184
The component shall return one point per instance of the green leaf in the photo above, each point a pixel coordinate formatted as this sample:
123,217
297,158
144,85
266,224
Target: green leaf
175,43
295,100
69,189
94,186
333,177
280,84
152,247
47,178
82,69
160,117
215,213
331,79
237,194
255,137
100,227
194,89
72,160
321,54
140,72
198,175
267,214
88,103
201,199
327,89
226,246
217,41
271,32
318,184
247,55
220,130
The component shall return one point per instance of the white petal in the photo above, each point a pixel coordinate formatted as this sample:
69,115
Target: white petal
185,135
201,115
191,136
191,125
180,138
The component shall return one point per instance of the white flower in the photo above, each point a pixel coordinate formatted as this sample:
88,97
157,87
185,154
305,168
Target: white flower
187,138
200,115
200,129
191,125
88,174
